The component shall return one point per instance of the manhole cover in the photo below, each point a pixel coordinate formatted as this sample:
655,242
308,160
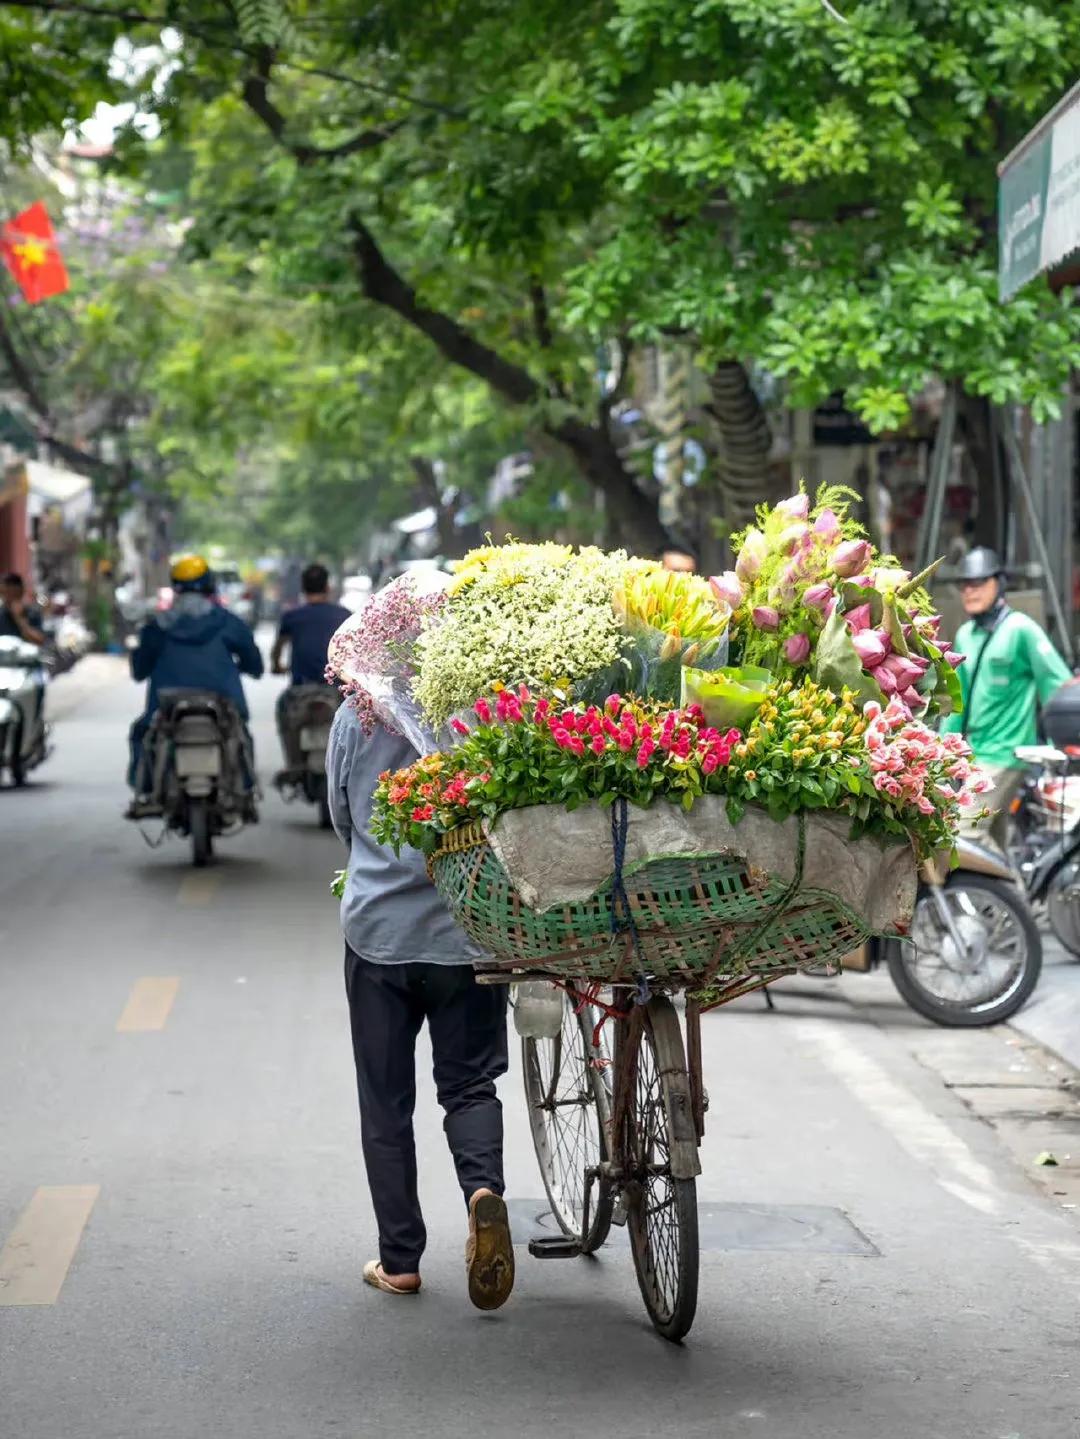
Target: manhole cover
780,1228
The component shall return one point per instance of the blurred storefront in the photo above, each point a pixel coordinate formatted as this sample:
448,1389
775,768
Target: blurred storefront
43,513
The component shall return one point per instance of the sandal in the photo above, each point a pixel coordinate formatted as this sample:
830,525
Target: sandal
373,1275
489,1252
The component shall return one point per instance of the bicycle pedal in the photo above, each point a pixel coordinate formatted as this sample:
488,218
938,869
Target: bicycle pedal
554,1246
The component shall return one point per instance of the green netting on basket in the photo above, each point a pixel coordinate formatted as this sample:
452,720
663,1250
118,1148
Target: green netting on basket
698,919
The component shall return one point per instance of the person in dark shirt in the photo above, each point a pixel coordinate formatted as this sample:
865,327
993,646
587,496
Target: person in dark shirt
18,620
306,630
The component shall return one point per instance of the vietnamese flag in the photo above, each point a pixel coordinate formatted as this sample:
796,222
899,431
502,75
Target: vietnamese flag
30,252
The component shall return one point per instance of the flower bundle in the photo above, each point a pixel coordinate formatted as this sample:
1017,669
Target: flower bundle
530,750
373,655
811,749
812,596
540,615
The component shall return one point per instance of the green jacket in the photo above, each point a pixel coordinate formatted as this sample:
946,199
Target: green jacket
1020,669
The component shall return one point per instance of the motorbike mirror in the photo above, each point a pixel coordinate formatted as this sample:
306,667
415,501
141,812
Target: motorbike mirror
131,642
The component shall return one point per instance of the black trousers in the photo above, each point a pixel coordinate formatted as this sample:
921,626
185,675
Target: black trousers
387,1005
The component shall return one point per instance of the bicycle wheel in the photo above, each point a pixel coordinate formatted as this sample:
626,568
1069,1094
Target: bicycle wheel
661,1210
570,1117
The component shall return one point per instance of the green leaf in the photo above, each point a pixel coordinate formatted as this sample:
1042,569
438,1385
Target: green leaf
735,809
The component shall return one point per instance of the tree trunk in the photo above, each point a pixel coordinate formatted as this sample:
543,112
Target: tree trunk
426,479
744,474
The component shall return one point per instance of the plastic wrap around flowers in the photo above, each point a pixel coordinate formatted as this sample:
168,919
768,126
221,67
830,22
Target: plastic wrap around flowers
373,656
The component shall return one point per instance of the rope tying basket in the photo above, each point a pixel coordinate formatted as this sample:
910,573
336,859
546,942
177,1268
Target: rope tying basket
685,900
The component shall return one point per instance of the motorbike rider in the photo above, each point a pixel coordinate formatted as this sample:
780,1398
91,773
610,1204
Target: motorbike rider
195,644
1010,668
306,630
19,620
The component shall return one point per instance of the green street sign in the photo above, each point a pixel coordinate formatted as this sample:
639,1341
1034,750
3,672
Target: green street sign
1039,198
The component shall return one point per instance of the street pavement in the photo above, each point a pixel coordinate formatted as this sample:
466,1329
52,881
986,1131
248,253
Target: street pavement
179,1159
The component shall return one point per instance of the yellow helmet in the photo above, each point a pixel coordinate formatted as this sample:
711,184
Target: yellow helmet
191,572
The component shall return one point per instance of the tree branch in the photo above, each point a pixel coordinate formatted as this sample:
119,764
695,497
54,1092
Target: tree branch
21,373
256,94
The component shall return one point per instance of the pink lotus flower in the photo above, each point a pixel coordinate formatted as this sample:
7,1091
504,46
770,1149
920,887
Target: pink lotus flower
913,699
765,617
483,711
797,649
871,647
817,597
906,670
728,588
752,556
850,558
827,526
858,619
459,726
796,508
954,659
792,537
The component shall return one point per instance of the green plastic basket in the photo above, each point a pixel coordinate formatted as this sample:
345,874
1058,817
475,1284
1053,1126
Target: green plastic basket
702,922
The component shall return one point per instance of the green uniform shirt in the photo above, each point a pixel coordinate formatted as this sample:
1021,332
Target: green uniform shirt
1020,667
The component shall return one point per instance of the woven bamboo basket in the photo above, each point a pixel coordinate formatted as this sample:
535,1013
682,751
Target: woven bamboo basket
699,920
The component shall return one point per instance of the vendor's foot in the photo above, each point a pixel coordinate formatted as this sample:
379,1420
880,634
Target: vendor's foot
489,1252
376,1276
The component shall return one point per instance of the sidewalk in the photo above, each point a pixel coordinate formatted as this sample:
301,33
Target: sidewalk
1052,1014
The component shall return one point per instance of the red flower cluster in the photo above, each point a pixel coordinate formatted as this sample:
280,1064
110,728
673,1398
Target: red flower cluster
683,733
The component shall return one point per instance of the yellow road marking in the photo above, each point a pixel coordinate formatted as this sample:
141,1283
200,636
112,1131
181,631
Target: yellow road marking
198,889
148,1005
35,1260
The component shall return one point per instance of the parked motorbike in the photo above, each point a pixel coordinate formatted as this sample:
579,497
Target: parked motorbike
24,734
1044,837
197,770
973,955
307,714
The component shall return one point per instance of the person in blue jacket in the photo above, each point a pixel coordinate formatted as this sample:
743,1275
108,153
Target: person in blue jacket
195,644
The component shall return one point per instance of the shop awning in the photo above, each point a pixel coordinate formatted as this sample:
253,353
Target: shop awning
54,485
1039,198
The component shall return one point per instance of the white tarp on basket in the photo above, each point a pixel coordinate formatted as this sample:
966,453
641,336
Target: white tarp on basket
555,856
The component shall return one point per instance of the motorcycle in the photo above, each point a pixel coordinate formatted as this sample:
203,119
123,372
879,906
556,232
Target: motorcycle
1045,836
24,734
973,954
197,769
306,716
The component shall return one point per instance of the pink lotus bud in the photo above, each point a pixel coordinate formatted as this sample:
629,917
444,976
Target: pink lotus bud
765,617
955,660
783,592
797,508
885,679
827,526
791,538
797,649
851,557
928,625
913,699
752,556
728,588
871,647
905,670
817,597
858,619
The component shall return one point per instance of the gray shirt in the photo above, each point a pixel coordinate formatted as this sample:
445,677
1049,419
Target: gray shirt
391,913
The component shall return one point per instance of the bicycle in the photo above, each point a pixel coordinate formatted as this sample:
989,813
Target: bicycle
617,1140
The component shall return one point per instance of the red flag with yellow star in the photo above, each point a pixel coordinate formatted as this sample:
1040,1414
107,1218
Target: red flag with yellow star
30,252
